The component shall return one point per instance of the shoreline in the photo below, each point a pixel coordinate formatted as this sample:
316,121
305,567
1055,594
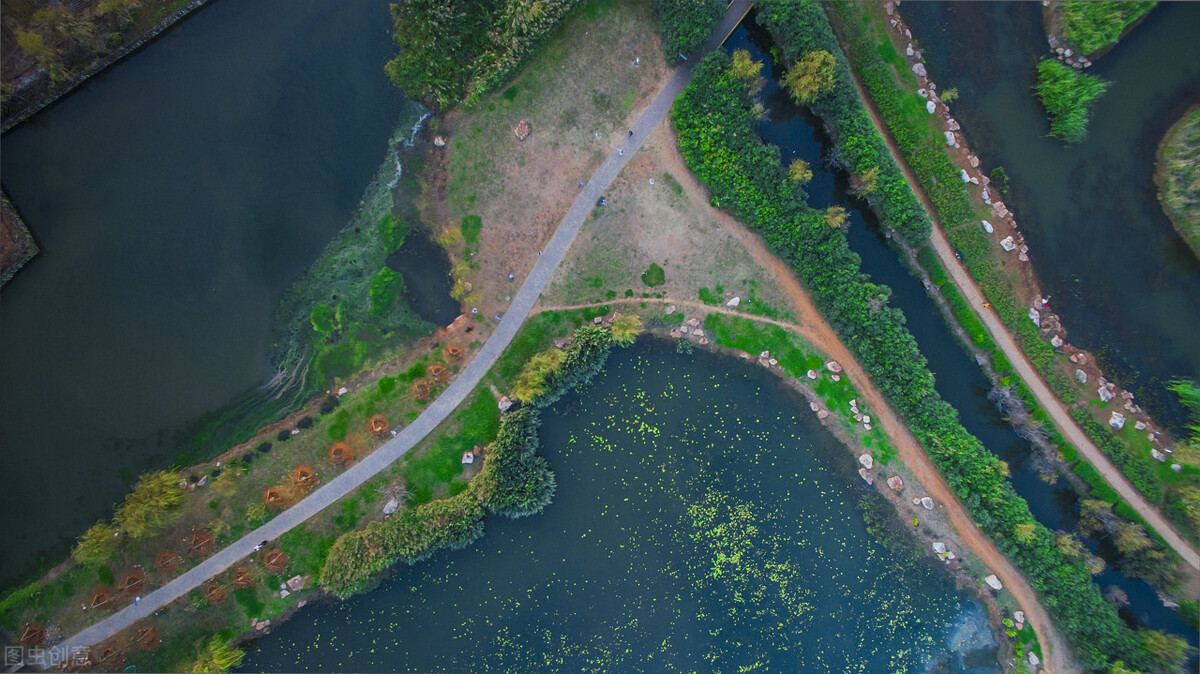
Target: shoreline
55,94
19,245
1191,239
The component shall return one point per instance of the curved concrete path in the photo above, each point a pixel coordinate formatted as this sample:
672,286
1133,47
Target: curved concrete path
458,390
999,334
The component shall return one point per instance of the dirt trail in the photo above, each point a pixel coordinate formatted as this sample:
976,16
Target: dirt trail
813,327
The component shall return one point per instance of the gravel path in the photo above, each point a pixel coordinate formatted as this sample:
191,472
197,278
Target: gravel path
458,390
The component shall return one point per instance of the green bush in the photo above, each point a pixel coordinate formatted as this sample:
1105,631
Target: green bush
1067,95
654,276
471,226
685,24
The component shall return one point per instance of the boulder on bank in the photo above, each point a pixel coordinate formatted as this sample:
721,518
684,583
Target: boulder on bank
866,461
895,483
994,582
927,503
919,70
833,366
1104,393
1117,421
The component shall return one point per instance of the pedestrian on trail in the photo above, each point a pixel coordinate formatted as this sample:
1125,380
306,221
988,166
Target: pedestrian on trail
539,253
511,277
137,599
621,152
580,184
630,134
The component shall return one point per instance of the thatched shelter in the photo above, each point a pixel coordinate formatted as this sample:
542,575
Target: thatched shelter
378,424
420,389
453,352
243,577
273,498
522,130
147,638
436,372
340,454
214,593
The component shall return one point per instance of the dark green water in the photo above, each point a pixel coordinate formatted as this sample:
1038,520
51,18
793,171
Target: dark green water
1124,283
704,521
174,197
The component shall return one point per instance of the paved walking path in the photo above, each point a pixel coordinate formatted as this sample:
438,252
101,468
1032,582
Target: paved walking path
458,390
999,333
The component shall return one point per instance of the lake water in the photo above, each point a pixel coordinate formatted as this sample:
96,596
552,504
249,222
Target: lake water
175,197
958,378
1125,284
703,521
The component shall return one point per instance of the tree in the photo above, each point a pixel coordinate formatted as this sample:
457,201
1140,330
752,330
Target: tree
1068,545
799,172
218,656
532,381
150,505
626,329
47,57
743,66
97,544
1168,652
1024,532
868,182
812,76
835,216
122,9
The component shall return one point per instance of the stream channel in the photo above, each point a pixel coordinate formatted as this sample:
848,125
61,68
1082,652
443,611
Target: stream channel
1125,284
175,197
959,379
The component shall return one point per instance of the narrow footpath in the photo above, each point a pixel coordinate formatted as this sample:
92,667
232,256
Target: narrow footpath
458,390
999,333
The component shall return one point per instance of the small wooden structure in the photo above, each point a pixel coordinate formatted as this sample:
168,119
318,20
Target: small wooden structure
304,478
99,598
167,561
133,581
275,560
378,424
522,130
436,372
214,593
453,353
420,389
340,454
273,498
147,638
243,577
33,634
199,543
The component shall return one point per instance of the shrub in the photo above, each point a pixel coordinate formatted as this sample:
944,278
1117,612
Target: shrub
304,423
97,544
471,226
686,24
654,276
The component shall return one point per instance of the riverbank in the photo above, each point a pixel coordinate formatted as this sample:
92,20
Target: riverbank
1038,331
28,93
1175,168
17,246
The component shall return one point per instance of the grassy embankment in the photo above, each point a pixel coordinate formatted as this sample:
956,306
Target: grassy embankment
1094,26
714,118
1178,177
892,90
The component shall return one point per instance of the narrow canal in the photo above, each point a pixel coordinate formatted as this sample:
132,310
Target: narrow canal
704,520
958,378
175,197
1126,286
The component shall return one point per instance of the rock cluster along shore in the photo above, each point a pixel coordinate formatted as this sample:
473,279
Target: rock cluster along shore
1005,232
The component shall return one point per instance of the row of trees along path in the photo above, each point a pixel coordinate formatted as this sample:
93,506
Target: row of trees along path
999,333
458,390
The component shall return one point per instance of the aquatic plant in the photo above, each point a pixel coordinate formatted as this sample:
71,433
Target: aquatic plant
1068,96
1091,26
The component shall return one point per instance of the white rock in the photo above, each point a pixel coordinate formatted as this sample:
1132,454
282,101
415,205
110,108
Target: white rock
966,178
896,483
854,403
1117,420
1176,467
1035,317
1081,376
866,418
1008,244
987,226
822,414
927,503
1158,456
923,93
950,138
916,501
972,159
931,108
504,403
1033,659
952,124
773,361
919,69
866,461
391,506
283,594
950,555
814,406
908,51
764,354
343,391
734,302
1019,618
866,427
939,547
1140,425
698,332
671,309
866,476
833,366
812,374
1056,341
993,582
835,377
1104,393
